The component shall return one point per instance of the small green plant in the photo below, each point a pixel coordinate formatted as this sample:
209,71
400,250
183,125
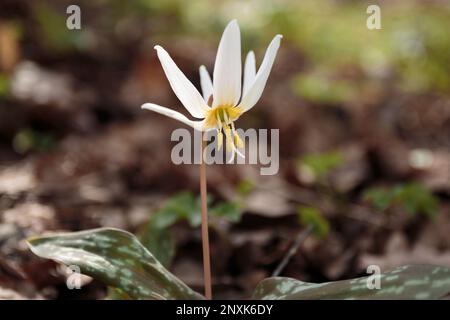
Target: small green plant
184,206
319,165
412,197
245,187
55,37
29,139
310,216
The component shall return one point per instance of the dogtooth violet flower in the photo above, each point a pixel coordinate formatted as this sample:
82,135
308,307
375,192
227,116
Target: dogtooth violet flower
226,97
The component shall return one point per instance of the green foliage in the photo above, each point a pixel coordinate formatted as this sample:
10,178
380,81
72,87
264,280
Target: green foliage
184,206
413,197
53,28
117,259
228,210
413,45
245,187
406,282
120,261
333,36
310,216
320,88
117,294
31,140
159,241
322,163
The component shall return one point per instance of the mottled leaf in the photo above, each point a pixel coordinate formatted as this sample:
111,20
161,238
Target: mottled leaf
116,258
406,282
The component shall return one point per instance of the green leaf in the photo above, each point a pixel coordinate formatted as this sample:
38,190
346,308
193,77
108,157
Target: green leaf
312,216
156,235
116,258
228,210
379,198
116,294
28,139
179,207
245,187
53,29
159,241
186,206
322,164
406,282
413,197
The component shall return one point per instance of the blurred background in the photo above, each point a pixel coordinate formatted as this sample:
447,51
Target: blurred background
364,119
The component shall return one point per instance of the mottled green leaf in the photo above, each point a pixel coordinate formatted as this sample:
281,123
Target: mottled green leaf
116,258
406,282
116,294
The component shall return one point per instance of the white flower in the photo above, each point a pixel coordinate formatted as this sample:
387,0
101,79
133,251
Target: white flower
224,99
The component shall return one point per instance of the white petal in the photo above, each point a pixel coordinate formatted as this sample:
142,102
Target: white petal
255,91
227,69
206,83
249,72
183,88
173,114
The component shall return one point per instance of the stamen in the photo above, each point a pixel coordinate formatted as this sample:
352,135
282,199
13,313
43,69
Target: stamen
219,139
233,144
219,122
221,116
229,140
225,116
237,140
232,157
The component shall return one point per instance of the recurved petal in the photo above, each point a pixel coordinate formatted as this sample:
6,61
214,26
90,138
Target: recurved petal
197,125
255,91
227,69
249,71
183,88
206,83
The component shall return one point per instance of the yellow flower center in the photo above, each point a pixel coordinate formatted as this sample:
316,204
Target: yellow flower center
222,117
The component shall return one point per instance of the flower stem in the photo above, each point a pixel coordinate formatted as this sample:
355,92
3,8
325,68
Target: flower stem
205,236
